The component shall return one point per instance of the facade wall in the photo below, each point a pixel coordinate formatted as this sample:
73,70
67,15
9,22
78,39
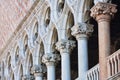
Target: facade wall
48,35
11,14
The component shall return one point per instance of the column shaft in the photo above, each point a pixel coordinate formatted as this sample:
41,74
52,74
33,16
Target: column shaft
50,60
66,66
82,31
103,12
65,47
38,78
82,57
104,47
50,72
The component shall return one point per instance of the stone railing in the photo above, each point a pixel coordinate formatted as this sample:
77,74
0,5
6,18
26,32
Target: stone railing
113,64
93,73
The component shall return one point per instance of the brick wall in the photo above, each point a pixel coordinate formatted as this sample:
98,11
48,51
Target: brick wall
11,14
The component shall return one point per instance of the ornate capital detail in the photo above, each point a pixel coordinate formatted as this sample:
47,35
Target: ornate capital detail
103,9
50,58
65,46
28,77
37,69
82,30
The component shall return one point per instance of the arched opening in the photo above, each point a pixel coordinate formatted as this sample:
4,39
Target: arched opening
21,72
30,63
47,17
54,40
74,55
12,78
41,52
35,32
9,63
17,54
60,7
69,25
25,44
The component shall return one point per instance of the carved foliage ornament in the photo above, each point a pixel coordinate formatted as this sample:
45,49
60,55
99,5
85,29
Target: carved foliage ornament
65,45
82,29
36,69
103,8
50,58
28,77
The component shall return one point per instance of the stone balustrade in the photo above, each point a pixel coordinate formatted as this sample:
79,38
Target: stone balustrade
113,64
93,73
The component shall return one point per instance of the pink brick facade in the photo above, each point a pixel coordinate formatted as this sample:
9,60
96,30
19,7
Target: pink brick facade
11,14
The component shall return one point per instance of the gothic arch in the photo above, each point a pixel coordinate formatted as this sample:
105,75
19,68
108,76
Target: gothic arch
34,30
45,19
41,52
20,72
25,45
54,39
69,24
12,76
45,14
29,61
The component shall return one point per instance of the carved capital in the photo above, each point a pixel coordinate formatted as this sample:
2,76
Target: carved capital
50,58
28,77
65,46
107,10
37,70
82,30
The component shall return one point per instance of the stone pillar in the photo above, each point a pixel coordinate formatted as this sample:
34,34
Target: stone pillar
81,32
103,12
50,60
65,47
38,72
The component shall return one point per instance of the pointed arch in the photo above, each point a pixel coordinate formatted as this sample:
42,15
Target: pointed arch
20,73
69,24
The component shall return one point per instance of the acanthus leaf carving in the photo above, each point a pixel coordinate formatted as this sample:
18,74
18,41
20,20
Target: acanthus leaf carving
103,8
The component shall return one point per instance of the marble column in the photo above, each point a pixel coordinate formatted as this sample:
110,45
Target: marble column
50,60
65,47
37,70
103,12
81,31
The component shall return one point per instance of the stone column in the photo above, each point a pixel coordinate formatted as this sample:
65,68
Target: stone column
81,31
50,60
65,47
38,72
103,12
